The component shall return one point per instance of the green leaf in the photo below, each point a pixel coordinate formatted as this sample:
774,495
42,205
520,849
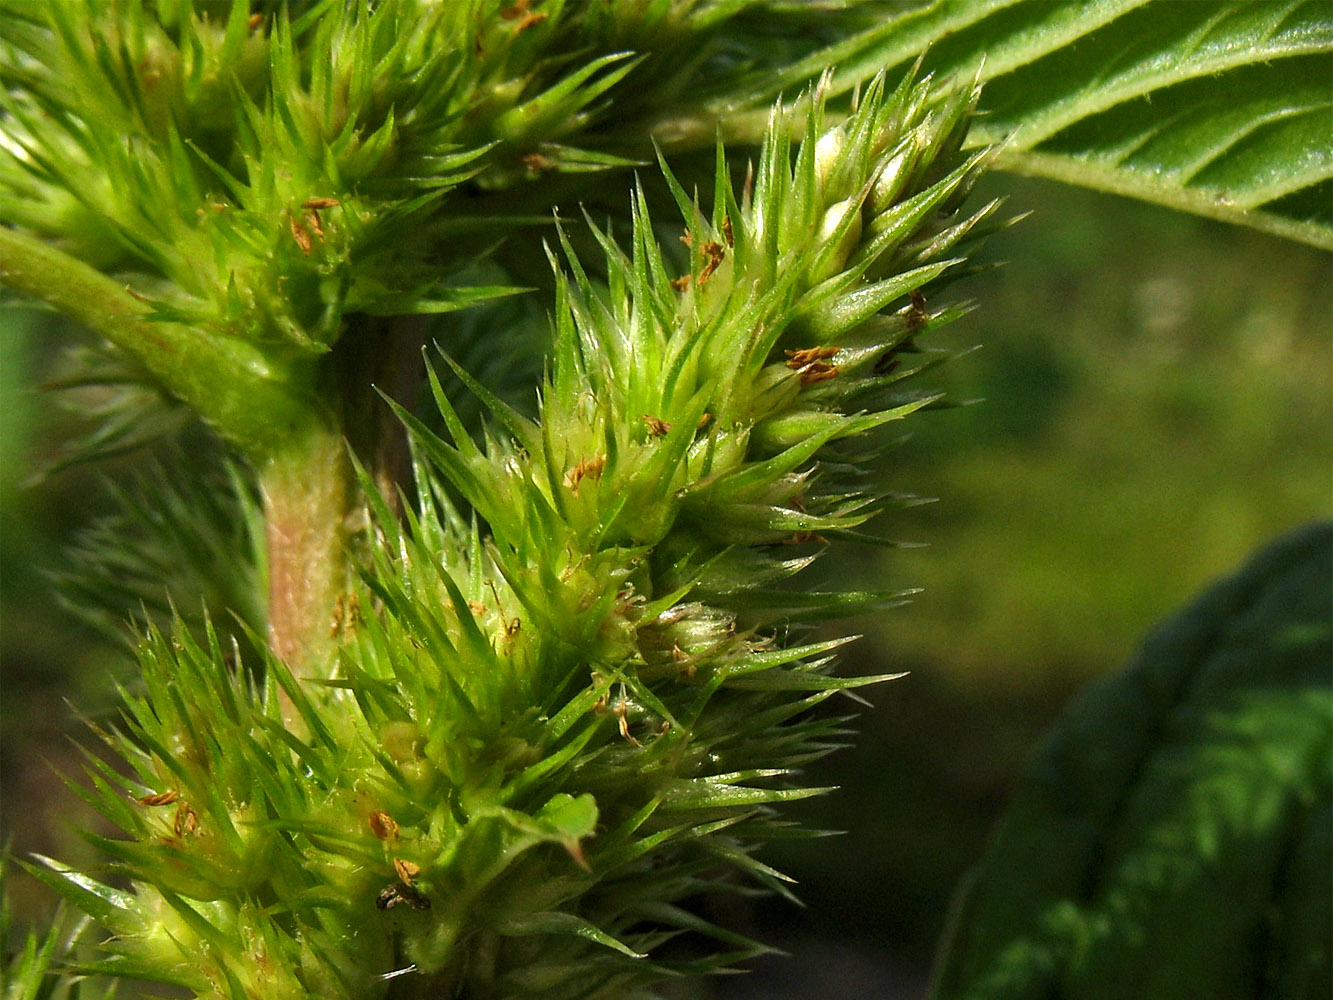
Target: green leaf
1222,108
566,923
569,817
1162,839
801,680
99,901
712,793
791,606
449,300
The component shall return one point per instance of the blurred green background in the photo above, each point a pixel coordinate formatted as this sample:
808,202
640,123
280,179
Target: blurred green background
1156,401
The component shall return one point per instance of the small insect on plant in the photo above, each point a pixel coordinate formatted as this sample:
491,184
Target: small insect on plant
400,892
403,891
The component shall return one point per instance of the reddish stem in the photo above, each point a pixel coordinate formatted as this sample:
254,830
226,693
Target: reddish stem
308,493
312,500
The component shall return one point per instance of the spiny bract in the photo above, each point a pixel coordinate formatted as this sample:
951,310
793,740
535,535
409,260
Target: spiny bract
572,686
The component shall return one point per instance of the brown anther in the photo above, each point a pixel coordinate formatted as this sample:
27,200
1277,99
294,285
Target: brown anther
160,799
586,467
800,358
519,12
657,427
621,711
727,233
338,621
477,608
682,283
538,164
312,207
713,254
681,657
704,421
352,615
817,371
383,826
407,870
255,21
299,234
513,627
687,238
187,820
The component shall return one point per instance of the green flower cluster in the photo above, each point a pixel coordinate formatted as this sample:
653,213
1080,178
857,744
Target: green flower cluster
245,161
571,686
254,178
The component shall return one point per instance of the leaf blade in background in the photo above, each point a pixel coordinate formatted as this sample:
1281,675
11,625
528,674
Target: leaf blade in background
1149,848
1216,107
1221,109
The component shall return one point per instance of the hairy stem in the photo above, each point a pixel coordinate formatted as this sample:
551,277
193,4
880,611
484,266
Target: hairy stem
312,501
308,493
293,436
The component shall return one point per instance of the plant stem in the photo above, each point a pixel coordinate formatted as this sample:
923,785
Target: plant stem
311,496
229,382
288,419
308,493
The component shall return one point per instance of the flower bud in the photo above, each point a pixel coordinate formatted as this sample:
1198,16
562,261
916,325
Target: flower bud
831,260
828,150
894,176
